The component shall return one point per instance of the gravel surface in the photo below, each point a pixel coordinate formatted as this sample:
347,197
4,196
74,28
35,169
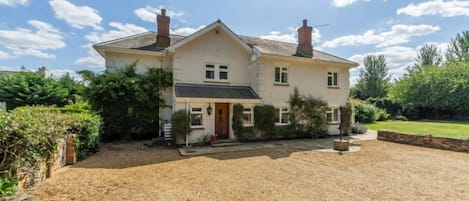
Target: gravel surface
380,171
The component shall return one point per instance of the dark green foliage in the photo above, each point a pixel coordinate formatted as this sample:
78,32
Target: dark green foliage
181,124
28,135
264,120
391,106
7,185
29,88
128,102
434,91
374,78
458,50
346,121
382,115
237,123
364,112
307,115
427,56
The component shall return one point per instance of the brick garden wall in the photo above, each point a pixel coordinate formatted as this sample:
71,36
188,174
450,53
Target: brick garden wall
461,145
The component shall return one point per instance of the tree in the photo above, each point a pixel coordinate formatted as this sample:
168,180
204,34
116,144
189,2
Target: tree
427,56
128,102
458,49
30,88
373,81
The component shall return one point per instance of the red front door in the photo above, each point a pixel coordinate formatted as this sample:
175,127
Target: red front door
222,125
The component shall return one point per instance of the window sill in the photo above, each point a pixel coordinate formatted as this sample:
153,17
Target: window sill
281,84
332,87
197,127
248,125
333,123
282,124
217,81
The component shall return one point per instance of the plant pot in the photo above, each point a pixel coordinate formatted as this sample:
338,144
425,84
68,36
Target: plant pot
213,139
341,145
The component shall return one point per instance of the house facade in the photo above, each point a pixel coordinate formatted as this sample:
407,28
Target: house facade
214,68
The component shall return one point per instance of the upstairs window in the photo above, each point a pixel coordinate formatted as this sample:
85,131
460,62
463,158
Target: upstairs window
196,117
282,116
332,115
247,116
332,79
281,75
216,72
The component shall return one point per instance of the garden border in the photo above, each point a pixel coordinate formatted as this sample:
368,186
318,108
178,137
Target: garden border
453,144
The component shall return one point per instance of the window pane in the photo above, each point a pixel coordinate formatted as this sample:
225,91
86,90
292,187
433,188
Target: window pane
284,69
285,117
223,75
329,81
247,109
277,74
197,109
210,74
196,119
224,67
246,118
209,66
329,117
284,77
277,115
336,115
335,79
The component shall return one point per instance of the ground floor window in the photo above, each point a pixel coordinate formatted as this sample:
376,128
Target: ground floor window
247,116
282,116
196,116
332,115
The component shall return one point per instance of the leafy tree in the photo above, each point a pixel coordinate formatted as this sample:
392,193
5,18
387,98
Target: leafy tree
458,49
30,88
128,102
428,55
373,81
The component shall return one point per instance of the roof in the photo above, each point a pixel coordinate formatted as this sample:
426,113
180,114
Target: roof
184,90
147,42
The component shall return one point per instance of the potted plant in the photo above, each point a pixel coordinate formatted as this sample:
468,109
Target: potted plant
213,139
342,144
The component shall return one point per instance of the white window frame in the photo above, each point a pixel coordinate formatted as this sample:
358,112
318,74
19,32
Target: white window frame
334,79
250,112
282,70
331,112
201,112
216,72
280,114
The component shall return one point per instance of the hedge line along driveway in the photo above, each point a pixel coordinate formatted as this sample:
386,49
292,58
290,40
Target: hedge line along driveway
380,171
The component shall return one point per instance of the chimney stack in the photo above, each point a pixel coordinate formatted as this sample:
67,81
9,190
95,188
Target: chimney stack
305,48
162,38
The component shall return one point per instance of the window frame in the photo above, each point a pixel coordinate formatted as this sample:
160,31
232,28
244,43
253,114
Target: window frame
251,115
331,111
282,71
334,78
201,112
281,112
217,69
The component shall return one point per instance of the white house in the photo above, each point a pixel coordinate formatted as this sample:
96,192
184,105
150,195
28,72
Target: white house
215,68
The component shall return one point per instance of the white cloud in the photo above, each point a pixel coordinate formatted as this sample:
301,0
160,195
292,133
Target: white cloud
14,2
27,42
399,34
76,16
149,13
119,30
343,3
436,7
290,37
184,31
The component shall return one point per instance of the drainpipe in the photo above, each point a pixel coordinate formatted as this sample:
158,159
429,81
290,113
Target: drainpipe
187,111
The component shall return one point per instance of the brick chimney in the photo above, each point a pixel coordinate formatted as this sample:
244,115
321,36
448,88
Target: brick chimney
163,39
305,48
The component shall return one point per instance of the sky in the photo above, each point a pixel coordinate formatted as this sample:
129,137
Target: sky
59,33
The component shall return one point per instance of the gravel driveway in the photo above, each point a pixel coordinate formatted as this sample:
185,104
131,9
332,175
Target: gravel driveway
380,171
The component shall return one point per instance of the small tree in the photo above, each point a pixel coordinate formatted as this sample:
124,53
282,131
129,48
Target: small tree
264,119
237,123
181,124
427,56
458,49
373,81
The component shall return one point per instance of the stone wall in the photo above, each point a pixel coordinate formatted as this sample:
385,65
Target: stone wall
429,141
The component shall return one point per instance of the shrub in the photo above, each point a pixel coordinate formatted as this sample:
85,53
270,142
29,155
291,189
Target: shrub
264,120
307,115
401,118
390,106
7,186
87,127
181,124
237,123
364,112
382,115
359,128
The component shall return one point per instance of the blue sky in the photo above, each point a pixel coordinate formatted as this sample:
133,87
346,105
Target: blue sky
59,33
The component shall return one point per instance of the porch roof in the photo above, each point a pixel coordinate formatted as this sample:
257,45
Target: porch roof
184,90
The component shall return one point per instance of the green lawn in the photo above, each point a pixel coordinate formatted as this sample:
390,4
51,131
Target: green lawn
456,129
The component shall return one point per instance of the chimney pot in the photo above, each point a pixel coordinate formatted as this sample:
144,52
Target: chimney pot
163,12
305,22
